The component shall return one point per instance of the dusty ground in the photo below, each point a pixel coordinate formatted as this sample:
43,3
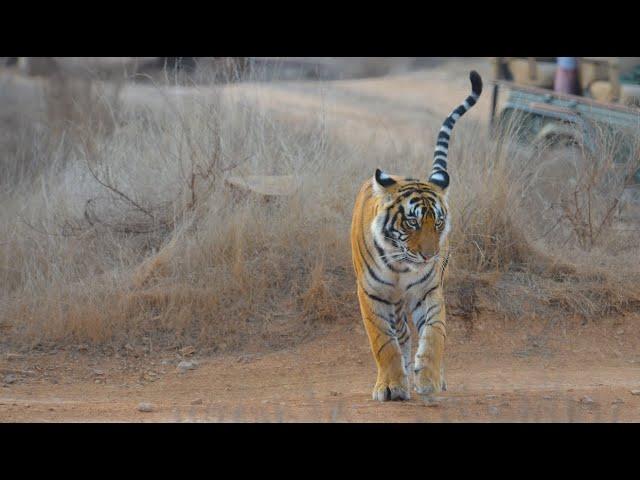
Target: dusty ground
498,371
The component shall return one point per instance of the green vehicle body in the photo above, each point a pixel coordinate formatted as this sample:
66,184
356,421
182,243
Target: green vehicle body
545,116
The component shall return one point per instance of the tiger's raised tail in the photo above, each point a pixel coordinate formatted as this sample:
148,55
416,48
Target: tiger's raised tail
439,175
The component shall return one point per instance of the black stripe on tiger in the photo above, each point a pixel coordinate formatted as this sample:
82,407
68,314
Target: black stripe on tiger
385,331
426,318
422,280
385,344
444,267
373,274
378,299
386,262
439,162
424,297
439,175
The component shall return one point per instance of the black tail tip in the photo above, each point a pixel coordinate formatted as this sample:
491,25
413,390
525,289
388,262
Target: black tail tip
476,82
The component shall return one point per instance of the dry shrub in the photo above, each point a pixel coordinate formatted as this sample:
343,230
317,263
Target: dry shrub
590,206
138,231
131,233
507,254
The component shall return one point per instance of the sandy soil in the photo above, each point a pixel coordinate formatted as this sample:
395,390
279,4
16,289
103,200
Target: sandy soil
498,371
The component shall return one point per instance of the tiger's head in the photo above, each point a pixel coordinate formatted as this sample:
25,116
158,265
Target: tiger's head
412,220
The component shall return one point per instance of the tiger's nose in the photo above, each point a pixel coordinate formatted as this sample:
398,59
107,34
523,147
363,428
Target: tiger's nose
428,255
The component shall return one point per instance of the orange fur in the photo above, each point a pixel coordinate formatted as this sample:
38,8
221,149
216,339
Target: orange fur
383,294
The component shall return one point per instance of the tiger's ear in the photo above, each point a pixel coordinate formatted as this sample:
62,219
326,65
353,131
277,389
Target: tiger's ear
381,181
440,178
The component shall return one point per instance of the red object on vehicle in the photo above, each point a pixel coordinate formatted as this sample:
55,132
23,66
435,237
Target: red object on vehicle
566,79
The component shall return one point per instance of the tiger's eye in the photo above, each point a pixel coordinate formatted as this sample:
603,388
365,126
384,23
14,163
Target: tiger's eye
413,223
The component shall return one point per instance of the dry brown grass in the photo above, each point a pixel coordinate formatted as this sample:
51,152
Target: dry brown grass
121,229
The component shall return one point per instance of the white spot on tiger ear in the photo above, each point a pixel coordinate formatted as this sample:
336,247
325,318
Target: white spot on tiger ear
438,177
378,189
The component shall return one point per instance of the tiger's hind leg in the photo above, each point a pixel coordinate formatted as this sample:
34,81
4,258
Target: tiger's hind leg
392,382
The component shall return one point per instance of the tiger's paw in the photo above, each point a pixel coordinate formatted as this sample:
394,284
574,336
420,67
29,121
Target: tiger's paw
384,393
427,385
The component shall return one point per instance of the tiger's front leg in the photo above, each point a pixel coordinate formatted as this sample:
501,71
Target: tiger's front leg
392,382
430,322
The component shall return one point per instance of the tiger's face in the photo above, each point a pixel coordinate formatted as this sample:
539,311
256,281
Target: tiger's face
412,221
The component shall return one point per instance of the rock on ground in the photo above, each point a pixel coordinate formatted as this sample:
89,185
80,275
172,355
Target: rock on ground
185,365
145,407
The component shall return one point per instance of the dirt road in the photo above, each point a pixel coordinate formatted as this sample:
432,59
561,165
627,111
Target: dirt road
535,371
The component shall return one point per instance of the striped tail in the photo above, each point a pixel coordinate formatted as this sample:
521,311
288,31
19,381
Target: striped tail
439,175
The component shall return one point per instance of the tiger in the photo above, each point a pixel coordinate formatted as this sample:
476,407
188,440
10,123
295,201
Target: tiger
400,251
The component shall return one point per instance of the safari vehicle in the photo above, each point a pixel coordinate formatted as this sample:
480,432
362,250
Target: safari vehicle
607,107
